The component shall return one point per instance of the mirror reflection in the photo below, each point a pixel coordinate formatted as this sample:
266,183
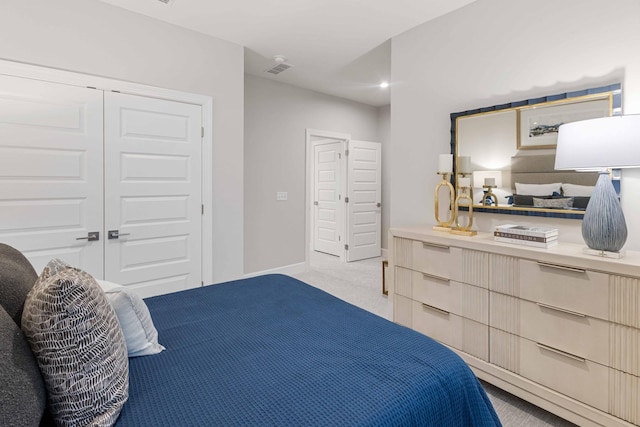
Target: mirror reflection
508,152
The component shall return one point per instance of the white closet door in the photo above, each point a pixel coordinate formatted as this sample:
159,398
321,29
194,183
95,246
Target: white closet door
152,193
51,172
328,213
365,194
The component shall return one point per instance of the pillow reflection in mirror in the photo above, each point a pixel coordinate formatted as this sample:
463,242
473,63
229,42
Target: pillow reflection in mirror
577,190
538,189
555,202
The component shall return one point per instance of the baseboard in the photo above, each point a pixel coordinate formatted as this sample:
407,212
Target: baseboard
287,269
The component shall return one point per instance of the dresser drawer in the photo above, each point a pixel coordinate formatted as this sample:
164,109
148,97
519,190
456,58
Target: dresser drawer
434,259
450,329
580,379
449,295
578,290
571,332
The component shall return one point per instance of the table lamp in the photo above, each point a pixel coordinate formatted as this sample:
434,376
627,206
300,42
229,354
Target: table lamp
488,180
600,144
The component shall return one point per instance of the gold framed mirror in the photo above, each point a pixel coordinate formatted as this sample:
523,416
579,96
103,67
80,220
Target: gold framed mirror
511,152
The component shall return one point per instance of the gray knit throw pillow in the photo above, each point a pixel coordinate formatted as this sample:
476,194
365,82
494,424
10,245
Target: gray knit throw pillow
75,336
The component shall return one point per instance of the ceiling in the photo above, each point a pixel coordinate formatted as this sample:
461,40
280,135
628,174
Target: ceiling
338,47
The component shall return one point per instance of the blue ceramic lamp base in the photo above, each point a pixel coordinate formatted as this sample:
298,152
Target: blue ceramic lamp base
604,228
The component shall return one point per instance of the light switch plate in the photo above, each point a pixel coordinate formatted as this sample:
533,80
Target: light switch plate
281,195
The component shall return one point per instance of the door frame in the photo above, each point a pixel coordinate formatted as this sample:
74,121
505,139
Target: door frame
310,135
71,78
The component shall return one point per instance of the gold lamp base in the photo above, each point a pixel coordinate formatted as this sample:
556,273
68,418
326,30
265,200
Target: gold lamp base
462,232
462,229
488,198
445,184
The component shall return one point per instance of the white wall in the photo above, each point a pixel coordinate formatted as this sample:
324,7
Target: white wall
384,136
496,51
276,116
91,37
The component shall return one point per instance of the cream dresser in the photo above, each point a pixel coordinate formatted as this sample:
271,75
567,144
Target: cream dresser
553,326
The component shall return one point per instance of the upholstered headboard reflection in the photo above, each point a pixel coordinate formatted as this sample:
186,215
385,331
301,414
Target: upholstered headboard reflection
535,175
539,169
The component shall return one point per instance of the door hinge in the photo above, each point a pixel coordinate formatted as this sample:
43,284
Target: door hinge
346,152
201,283
202,209
339,238
339,156
202,132
346,247
346,199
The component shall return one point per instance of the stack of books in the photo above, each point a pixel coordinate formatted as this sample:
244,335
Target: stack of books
522,235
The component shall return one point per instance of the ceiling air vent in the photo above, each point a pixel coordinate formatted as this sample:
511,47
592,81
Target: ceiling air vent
280,65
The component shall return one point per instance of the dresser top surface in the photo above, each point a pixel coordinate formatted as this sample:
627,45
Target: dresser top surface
569,254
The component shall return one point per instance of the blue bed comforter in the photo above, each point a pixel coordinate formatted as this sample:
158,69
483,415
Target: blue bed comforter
273,351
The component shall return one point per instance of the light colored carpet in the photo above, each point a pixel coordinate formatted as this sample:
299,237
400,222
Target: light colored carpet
360,283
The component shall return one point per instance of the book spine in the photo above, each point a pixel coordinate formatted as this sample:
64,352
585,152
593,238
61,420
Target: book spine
524,237
527,232
527,242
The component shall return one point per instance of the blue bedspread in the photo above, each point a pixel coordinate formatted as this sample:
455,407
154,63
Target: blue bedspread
273,351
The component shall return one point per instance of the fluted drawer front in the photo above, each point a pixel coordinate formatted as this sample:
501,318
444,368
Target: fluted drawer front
505,313
580,379
403,252
574,333
625,349
624,392
403,282
437,260
504,274
459,298
505,350
625,300
473,268
577,290
402,310
450,329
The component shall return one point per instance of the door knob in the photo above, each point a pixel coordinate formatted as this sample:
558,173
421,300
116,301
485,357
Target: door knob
378,204
92,236
114,234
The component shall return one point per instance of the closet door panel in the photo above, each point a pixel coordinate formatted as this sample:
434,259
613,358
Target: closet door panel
152,193
51,171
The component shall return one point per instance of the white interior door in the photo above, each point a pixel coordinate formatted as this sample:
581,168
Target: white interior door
328,217
152,193
51,172
365,195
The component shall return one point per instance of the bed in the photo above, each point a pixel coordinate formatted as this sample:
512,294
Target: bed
536,183
274,351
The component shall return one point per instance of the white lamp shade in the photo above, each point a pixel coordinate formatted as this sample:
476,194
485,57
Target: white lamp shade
480,176
464,164
608,142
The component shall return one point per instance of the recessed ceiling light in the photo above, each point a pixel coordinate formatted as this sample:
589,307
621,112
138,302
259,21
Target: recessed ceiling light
384,85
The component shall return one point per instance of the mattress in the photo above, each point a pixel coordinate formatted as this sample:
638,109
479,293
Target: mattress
274,351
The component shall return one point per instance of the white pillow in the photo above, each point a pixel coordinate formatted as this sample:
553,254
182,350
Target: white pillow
133,315
538,189
577,190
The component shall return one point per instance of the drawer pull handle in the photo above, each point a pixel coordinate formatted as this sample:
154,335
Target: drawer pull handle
432,276
427,245
562,310
436,309
562,353
561,267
